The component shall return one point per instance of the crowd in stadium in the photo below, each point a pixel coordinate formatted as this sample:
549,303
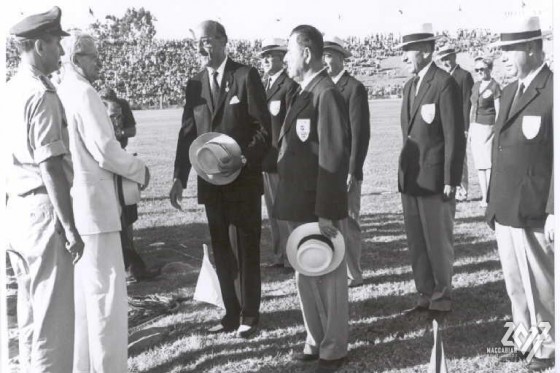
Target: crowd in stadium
152,74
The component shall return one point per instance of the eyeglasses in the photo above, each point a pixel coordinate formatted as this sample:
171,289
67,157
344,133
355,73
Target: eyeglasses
481,70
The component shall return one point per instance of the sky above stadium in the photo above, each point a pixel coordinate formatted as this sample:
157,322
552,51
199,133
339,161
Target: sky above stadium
262,18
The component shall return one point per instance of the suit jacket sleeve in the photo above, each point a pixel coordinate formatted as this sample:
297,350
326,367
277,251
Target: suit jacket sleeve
97,133
260,119
453,132
187,134
360,128
333,129
467,92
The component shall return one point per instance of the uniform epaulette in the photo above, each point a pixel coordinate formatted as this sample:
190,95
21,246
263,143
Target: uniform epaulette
47,83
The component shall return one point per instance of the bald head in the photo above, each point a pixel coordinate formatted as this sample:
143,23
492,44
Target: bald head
211,39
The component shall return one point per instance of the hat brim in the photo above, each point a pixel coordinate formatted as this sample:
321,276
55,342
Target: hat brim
273,49
440,56
131,192
402,45
216,179
338,49
499,43
303,231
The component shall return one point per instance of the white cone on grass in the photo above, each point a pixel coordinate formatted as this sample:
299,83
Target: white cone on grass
437,360
208,287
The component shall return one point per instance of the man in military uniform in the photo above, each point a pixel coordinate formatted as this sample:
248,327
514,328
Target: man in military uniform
356,99
44,242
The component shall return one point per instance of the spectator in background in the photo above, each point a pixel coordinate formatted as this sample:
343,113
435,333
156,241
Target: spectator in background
124,126
356,100
448,58
41,232
279,87
101,321
485,100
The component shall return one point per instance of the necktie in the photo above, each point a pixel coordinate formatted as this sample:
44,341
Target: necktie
412,95
215,87
269,84
520,92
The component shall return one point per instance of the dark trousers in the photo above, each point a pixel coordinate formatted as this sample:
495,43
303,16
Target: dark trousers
237,259
133,263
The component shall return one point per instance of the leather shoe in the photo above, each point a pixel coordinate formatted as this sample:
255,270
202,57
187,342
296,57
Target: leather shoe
245,331
414,310
304,357
514,356
537,365
438,315
327,366
355,283
219,328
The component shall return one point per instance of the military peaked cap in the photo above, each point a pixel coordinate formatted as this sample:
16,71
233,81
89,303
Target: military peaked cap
37,25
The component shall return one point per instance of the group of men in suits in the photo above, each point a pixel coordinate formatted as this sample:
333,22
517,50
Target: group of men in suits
521,194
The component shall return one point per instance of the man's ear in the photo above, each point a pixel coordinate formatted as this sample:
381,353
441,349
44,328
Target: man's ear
307,55
39,46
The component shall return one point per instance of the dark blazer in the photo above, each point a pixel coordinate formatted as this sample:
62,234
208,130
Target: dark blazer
277,102
356,98
465,81
312,171
433,134
247,121
521,188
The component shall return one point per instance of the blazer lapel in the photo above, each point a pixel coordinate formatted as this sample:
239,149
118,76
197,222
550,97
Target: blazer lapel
424,87
531,92
206,94
343,81
227,83
299,104
275,86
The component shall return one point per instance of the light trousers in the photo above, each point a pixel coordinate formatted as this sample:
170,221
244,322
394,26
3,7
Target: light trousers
101,341
279,229
44,272
528,266
352,233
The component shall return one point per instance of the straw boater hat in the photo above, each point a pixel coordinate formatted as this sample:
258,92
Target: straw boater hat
520,30
216,158
446,50
311,253
273,44
129,191
420,33
335,43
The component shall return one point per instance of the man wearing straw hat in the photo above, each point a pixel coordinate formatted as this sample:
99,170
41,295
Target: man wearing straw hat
448,58
43,238
430,167
227,98
314,147
521,194
356,99
278,86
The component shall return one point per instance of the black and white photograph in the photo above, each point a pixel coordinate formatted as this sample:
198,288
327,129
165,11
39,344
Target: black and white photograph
278,186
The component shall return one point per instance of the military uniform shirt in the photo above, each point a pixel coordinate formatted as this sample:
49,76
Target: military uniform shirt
37,130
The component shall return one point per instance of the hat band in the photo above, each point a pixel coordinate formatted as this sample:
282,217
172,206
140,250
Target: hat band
331,44
319,237
513,36
416,37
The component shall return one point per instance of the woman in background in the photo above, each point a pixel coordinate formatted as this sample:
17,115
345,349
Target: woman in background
485,100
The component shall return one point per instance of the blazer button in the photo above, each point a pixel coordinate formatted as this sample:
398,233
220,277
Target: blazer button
500,148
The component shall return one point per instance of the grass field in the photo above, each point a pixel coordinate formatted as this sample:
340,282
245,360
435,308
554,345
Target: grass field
381,338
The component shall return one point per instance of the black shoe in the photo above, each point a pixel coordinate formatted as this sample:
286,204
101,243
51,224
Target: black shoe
514,356
304,357
438,315
537,365
220,328
327,366
245,331
415,310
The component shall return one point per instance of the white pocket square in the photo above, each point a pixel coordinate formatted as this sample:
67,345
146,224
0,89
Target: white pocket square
234,100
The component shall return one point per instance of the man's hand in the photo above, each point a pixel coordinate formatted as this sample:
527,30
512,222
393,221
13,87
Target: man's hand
549,229
448,192
327,228
74,246
146,180
176,194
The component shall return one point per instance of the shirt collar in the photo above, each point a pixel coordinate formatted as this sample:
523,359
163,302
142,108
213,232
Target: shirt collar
529,78
337,78
220,70
453,69
275,76
423,72
305,82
